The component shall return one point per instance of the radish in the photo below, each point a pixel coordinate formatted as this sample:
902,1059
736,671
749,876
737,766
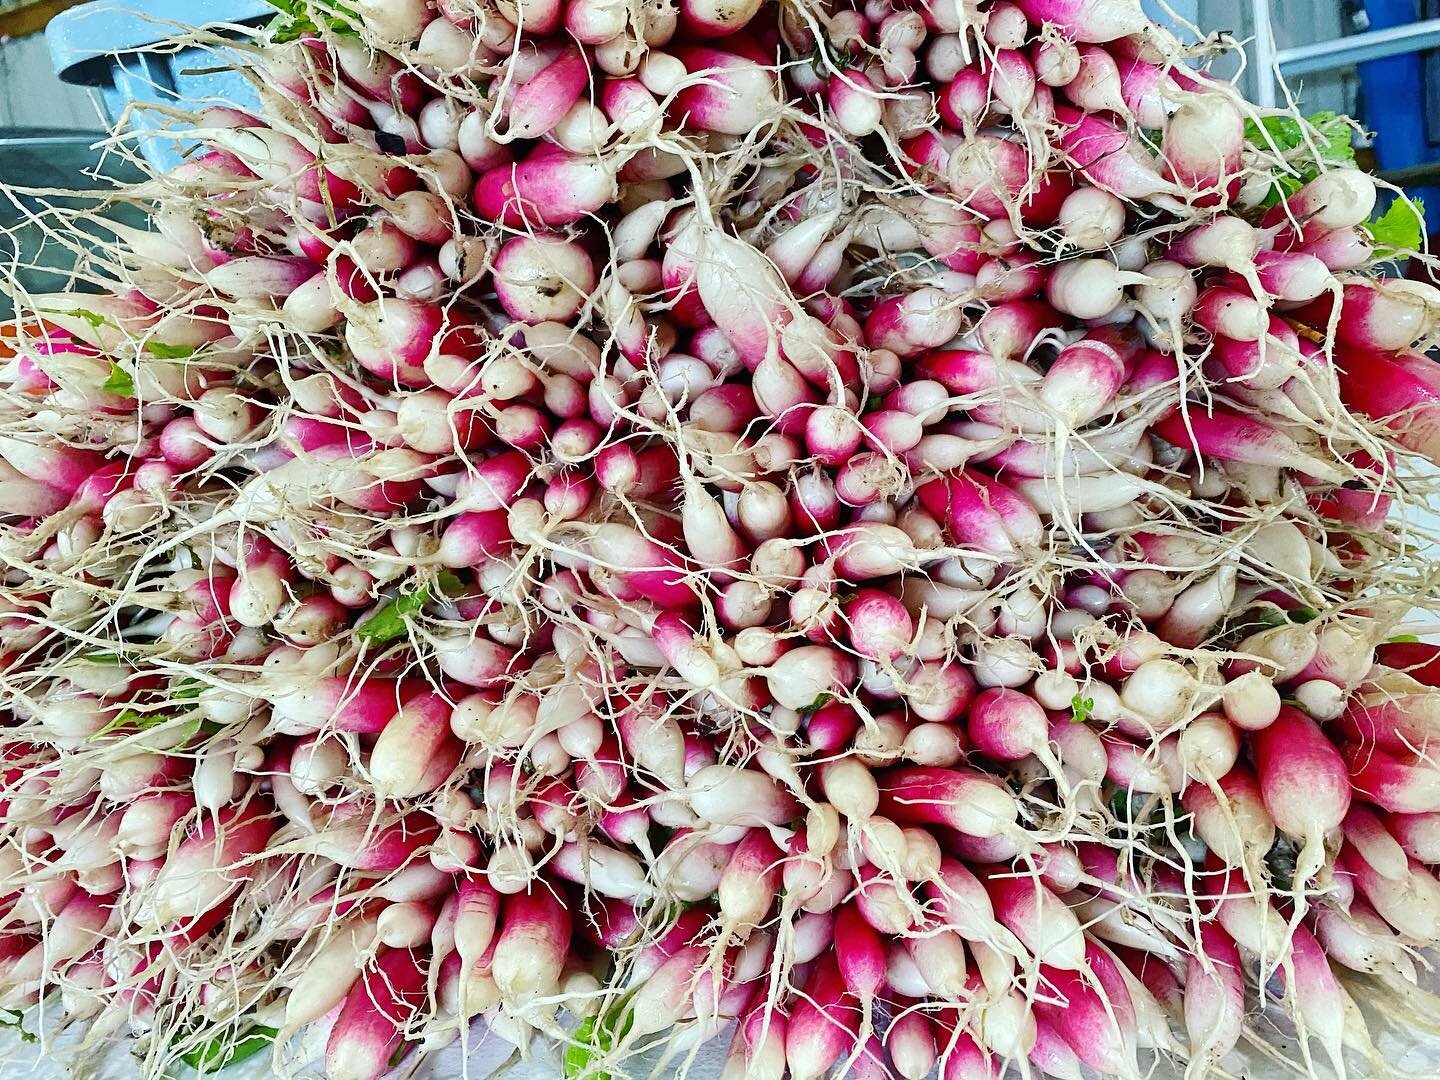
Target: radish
1214,999
1303,782
616,519
370,1026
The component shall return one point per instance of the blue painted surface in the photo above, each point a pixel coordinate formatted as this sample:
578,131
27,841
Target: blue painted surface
1392,105
101,44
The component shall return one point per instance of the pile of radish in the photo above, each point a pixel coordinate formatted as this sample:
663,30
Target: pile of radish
883,533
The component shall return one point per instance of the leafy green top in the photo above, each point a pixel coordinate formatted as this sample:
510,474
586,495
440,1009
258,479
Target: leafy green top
1329,133
296,20
391,620
1400,228
594,1037
228,1048
120,383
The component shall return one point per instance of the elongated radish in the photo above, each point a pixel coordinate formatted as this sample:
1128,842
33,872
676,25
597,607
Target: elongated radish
1303,781
531,946
371,1023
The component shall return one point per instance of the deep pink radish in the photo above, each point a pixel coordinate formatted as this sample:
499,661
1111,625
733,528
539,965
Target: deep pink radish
415,752
801,676
982,511
821,1029
1418,834
1396,721
1081,381
728,795
369,1029
880,626
1214,998
1232,436
860,959
1233,821
356,843
915,322
749,884
1401,389
1202,146
910,1040
1091,219
1099,1030
209,864
547,188
938,690
1228,242
530,949
537,106
757,1048
1386,314
1340,249
735,95
1304,782
1411,904
476,918
1010,726
1052,1054
986,173
331,972
1365,832
1336,199
1401,782
1420,660
644,565
1317,999
1008,330
1038,917
1358,938
1086,20
961,1057
1108,157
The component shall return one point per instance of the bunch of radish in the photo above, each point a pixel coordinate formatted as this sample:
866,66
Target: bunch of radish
880,533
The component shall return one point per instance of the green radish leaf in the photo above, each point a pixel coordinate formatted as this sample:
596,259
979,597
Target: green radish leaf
113,659
1336,147
1402,639
162,351
120,383
392,620
1330,134
1280,190
129,718
594,1037
1119,804
1302,615
187,690
400,1052
94,318
1400,228
1080,709
296,21
230,1048
579,1053
15,1019
821,700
